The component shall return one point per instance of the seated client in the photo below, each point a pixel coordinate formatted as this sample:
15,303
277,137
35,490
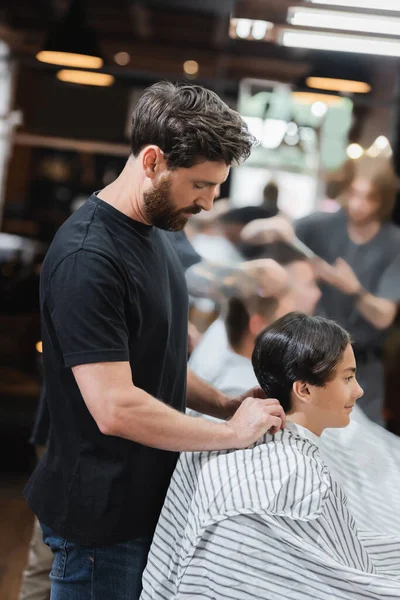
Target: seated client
270,521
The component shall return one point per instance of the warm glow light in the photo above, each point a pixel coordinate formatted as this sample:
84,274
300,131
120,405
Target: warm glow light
340,42
85,77
191,67
302,16
355,151
39,347
382,142
338,85
68,59
313,98
392,5
122,58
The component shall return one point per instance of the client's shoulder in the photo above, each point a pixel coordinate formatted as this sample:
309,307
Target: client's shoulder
281,475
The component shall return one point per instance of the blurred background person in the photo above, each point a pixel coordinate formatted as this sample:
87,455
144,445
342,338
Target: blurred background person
230,339
270,198
359,267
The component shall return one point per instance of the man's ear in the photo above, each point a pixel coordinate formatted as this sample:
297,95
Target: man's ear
302,392
153,161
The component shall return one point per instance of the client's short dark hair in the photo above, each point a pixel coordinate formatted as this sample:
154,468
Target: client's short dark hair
189,123
297,348
239,311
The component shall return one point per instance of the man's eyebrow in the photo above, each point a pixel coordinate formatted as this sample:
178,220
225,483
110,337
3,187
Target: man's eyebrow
208,183
352,369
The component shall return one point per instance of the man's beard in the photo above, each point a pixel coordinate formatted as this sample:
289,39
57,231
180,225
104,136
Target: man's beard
160,211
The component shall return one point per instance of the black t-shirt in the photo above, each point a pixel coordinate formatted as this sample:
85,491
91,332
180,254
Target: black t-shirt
112,289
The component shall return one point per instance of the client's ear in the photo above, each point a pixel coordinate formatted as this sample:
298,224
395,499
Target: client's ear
302,392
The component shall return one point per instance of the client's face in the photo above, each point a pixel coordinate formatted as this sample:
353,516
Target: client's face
332,404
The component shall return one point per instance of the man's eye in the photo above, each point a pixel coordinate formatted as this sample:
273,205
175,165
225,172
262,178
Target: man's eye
198,186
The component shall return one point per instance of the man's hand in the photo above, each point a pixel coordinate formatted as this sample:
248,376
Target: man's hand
340,275
254,418
268,231
271,279
232,404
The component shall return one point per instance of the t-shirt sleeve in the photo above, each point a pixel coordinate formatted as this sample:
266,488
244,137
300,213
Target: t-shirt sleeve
389,284
87,306
187,254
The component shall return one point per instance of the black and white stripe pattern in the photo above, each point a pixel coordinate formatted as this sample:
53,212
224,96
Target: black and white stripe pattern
365,459
263,523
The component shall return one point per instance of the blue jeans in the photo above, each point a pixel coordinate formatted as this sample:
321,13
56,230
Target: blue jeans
99,573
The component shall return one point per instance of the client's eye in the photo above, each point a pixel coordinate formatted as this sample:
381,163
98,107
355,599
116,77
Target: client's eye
350,378
198,186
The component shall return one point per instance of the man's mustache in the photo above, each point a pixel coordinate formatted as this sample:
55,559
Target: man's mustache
193,210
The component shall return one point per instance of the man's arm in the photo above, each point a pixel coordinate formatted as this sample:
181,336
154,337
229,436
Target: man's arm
262,277
206,399
123,410
380,312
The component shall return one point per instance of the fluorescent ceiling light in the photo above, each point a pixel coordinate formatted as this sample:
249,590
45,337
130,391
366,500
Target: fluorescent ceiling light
335,19
340,42
392,5
346,86
85,77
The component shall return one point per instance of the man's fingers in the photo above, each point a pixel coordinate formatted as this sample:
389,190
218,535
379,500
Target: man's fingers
276,425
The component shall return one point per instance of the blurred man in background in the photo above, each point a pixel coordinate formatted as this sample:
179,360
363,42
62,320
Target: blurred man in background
359,266
223,357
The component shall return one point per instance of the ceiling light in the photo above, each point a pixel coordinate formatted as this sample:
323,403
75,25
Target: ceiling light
243,28
319,109
85,77
314,98
122,58
392,5
340,42
334,19
382,142
249,28
71,42
345,86
69,59
259,29
191,67
355,151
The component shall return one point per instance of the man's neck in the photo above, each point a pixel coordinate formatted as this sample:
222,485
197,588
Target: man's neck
245,349
125,193
361,233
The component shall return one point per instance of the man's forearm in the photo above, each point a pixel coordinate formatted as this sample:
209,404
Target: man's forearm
380,312
143,419
217,282
206,399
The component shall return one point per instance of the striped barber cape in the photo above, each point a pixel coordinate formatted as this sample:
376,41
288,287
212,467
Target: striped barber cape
265,523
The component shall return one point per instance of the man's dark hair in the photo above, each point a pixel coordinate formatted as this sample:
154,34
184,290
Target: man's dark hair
297,348
281,252
238,313
270,197
244,215
189,123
